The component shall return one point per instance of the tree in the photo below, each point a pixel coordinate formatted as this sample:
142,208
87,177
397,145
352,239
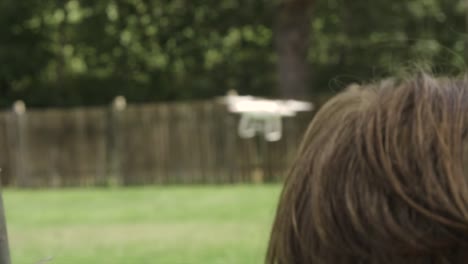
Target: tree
292,45
85,52
23,49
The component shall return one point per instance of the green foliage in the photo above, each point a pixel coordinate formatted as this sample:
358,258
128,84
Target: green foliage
360,40
85,52
22,48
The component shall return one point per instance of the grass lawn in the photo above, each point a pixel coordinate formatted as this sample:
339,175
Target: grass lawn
160,225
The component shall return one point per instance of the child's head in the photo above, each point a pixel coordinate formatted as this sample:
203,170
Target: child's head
381,177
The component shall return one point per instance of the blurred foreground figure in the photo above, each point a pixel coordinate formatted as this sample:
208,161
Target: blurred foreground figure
381,177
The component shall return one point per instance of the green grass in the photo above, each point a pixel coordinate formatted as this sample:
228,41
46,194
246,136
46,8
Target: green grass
161,225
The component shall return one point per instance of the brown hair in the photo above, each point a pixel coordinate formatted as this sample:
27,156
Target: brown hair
380,178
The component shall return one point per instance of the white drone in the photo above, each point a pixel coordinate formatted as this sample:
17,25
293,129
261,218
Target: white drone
263,115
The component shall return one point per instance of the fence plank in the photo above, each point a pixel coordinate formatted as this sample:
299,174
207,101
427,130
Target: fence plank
167,143
6,161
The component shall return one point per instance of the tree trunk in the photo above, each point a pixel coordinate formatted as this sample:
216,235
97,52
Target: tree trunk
292,43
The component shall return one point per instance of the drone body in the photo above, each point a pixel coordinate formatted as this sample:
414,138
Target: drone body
263,115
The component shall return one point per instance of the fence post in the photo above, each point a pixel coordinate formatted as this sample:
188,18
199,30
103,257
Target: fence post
21,161
4,247
115,146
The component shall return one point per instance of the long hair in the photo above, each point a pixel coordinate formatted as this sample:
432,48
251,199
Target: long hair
380,177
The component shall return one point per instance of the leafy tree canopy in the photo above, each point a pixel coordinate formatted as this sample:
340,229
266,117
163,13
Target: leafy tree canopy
70,52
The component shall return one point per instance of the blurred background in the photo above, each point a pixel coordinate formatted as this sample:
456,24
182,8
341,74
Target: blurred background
118,144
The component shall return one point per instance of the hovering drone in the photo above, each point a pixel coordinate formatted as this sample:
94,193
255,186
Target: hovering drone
263,115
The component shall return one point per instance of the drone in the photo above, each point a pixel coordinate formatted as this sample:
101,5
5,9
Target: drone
261,115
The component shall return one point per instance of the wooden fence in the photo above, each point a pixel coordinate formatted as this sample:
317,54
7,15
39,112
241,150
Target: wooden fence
176,143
